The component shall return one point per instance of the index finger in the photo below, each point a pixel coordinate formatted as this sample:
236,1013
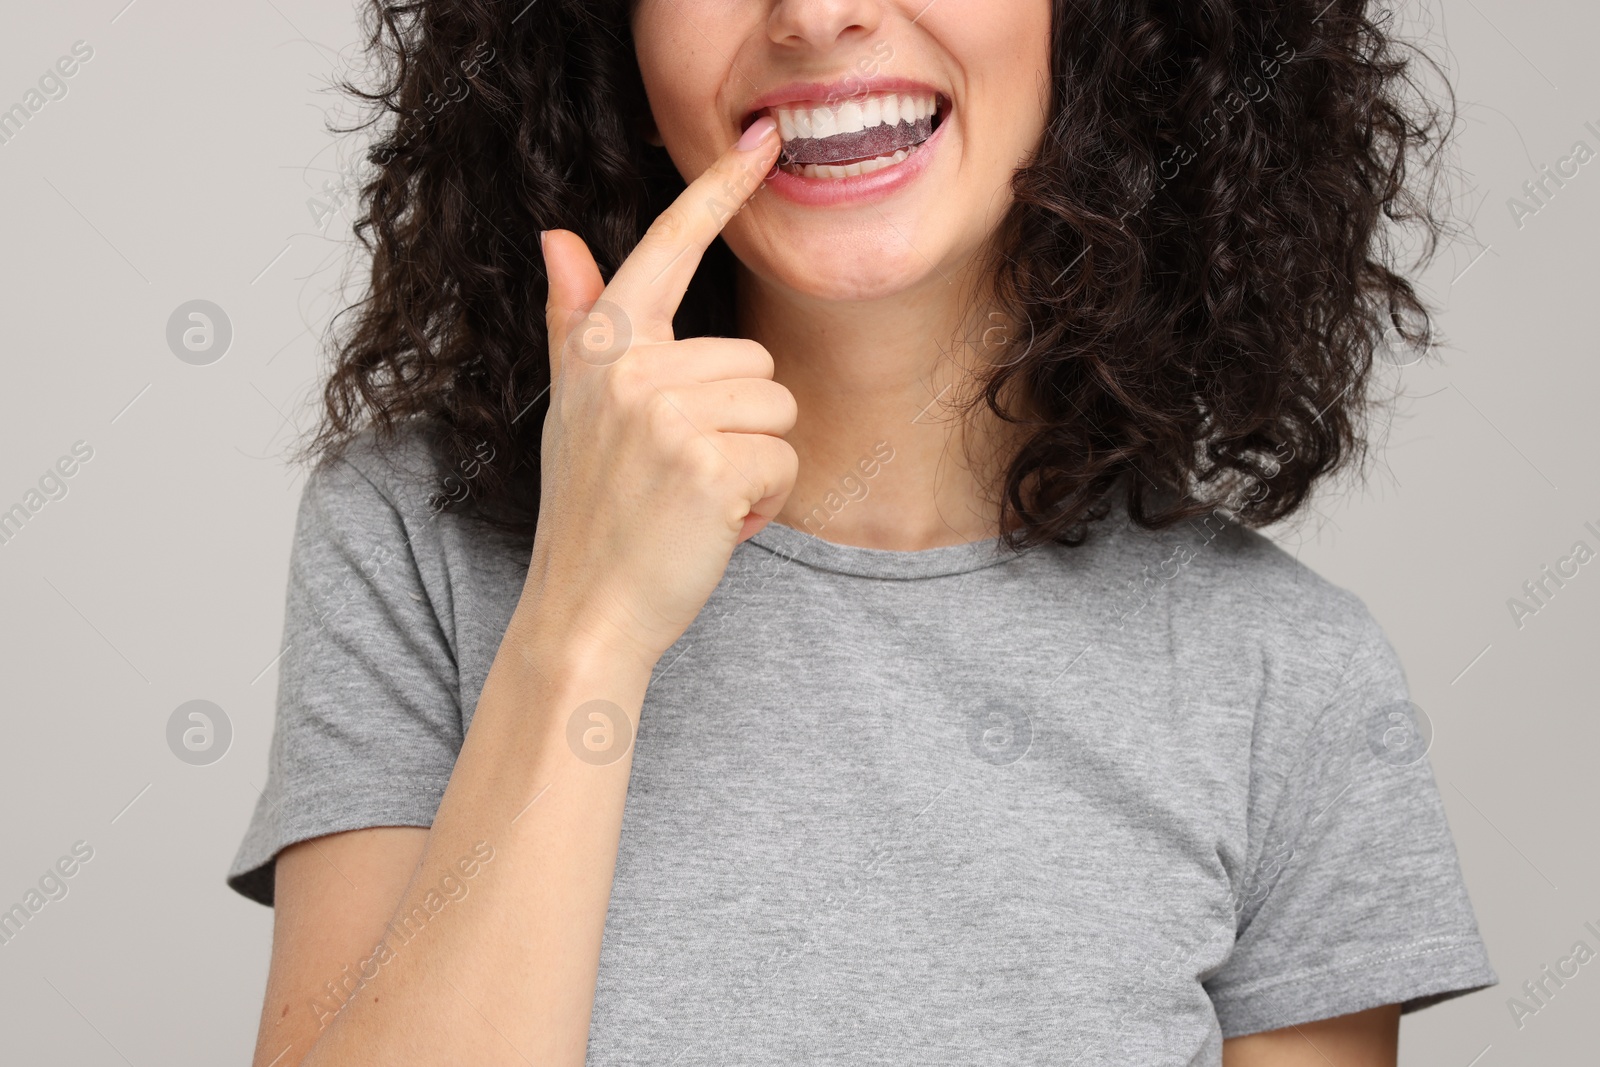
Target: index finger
652,280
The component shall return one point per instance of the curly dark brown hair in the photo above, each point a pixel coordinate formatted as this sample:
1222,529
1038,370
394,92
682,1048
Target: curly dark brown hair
1202,253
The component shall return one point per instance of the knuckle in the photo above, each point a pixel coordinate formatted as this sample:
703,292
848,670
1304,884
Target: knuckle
703,466
624,377
788,407
760,359
662,419
778,458
622,387
776,404
630,383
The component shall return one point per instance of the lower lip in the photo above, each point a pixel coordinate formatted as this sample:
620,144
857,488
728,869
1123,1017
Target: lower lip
861,188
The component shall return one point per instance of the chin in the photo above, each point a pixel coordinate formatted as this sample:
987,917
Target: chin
843,266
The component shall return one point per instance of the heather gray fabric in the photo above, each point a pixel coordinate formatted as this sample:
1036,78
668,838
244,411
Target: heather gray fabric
1104,805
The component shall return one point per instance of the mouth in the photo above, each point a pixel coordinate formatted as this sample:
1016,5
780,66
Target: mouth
864,134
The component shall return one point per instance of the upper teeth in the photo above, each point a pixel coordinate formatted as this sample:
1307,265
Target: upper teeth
854,115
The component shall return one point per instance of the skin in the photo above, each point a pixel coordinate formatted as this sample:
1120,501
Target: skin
862,306
659,459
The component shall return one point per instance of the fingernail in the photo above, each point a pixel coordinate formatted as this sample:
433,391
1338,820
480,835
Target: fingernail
541,239
757,133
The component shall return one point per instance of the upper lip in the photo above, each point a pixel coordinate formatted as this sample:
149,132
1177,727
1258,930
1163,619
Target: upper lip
838,91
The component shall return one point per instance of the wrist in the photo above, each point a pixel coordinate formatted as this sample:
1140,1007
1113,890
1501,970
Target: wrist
572,653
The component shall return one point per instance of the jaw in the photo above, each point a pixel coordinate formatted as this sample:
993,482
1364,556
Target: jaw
861,234
849,252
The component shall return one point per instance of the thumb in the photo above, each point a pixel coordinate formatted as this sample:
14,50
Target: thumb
575,284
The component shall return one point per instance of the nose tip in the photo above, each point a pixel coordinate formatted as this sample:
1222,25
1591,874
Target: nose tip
822,24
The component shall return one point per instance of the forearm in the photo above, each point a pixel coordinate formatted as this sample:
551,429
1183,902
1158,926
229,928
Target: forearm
503,970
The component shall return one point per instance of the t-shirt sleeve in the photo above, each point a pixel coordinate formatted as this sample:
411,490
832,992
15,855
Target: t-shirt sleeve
368,721
1357,899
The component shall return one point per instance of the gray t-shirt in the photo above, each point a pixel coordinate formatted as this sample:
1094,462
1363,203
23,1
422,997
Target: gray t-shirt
1096,805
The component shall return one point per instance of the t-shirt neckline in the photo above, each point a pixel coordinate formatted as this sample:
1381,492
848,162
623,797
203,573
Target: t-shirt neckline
812,551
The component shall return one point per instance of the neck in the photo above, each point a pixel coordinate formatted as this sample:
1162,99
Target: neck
890,456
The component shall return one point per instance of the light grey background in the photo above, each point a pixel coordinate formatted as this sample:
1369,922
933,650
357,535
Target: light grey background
181,165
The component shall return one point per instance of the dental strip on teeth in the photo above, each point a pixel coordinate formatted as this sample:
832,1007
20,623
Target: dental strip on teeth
825,170
858,136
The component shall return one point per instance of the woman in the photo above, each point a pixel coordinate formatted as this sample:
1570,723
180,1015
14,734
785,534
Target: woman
887,563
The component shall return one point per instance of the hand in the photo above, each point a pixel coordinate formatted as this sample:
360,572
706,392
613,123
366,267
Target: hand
659,456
